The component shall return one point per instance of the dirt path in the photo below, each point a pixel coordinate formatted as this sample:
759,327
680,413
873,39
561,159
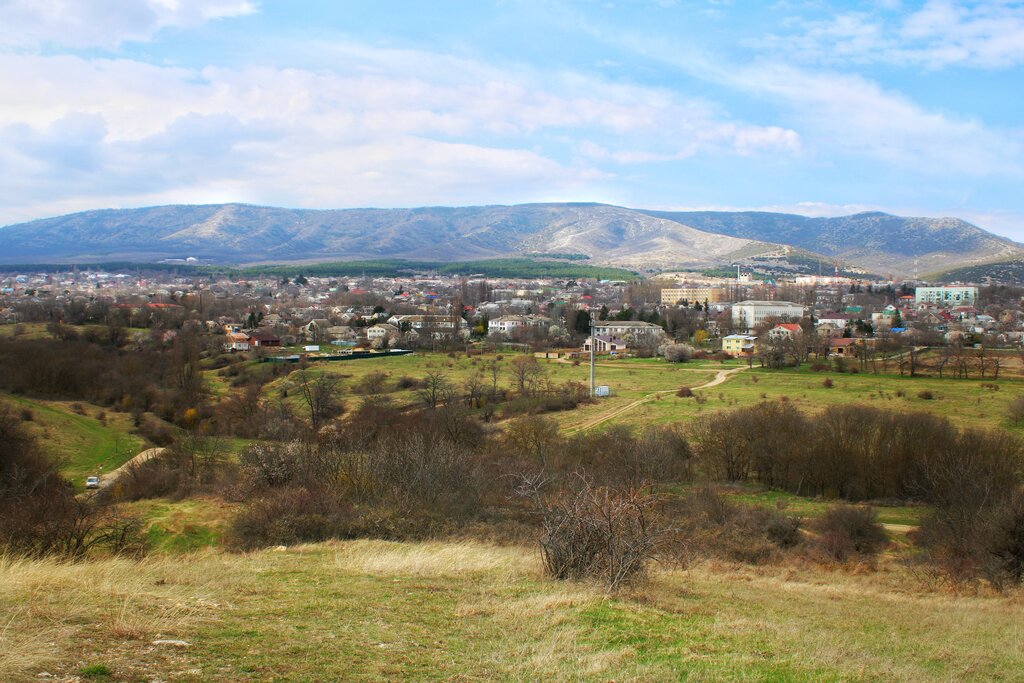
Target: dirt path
584,363
720,376
110,477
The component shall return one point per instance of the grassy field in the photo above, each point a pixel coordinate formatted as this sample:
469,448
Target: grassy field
810,508
84,444
651,385
372,610
966,402
630,380
184,525
39,331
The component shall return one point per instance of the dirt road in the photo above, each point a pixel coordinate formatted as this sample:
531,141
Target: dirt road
110,477
720,376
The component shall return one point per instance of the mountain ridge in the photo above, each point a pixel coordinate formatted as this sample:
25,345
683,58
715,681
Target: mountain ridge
609,235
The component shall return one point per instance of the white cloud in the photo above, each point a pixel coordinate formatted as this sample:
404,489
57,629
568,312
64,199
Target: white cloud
387,127
103,23
940,33
856,116
840,116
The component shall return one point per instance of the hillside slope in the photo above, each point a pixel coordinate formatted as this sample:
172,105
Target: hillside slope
609,235
238,233
877,241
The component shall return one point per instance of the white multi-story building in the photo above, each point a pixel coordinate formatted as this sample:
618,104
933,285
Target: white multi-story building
634,331
696,294
950,295
439,325
508,324
750,314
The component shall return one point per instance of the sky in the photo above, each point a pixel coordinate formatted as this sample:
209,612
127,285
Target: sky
817,108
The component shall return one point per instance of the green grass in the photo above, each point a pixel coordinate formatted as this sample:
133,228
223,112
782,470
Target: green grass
629,379
94,671
182,526
83,444
904,515
25,331
373,610
965,402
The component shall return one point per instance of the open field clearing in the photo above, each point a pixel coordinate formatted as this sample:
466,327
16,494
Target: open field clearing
810,508
966,402
372,610
643,390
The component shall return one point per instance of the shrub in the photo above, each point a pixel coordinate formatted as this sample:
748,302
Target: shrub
677,353
27,415
406,382
847,529
156,431
926,395
828,383
685,392
712,526
1015,410
979,540
819,367
289,515
783,531
160,477
372,383
592,532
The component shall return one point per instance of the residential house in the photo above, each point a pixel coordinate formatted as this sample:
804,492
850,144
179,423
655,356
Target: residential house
439,325
842,346
264,338
738,344
785,331
948,295
605,344
316,329
697,294
382,331
237,341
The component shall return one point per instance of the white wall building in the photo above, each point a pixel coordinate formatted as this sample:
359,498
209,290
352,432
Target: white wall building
955,295
507,324
639,332
750,314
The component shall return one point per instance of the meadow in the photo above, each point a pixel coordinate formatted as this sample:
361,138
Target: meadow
470,610
375,610
86,439
646,388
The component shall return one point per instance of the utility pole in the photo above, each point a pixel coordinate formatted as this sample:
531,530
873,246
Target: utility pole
593,343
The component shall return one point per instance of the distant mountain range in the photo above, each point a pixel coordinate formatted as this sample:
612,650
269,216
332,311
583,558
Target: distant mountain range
608,235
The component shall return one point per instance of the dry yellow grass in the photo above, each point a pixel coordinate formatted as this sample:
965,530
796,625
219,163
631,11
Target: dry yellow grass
374,610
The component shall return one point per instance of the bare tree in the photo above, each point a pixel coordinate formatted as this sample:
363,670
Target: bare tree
435,389
320,394
526,373
474,390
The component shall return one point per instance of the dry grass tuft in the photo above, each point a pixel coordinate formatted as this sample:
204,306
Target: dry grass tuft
434,559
